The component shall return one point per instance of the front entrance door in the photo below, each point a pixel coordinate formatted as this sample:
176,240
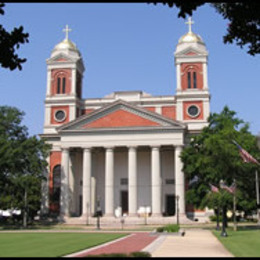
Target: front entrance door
124,201
170,205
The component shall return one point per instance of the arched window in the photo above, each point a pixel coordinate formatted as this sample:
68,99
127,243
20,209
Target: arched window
56,183
58,85
189,80
194,80
63,85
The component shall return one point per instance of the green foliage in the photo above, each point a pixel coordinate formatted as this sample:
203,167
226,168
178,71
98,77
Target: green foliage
171,228
9,42
140,254
211,157
22,163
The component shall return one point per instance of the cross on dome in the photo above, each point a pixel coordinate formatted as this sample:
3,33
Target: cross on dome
189,22
67,30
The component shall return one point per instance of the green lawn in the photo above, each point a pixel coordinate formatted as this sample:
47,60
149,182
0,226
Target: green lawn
49,244
242,243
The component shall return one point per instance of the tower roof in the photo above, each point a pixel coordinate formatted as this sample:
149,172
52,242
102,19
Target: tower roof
66,46
190,36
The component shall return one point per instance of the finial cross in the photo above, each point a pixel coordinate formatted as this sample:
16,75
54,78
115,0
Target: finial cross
67,30
190,22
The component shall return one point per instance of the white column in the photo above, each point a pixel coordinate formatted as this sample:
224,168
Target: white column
205,76
132,181
86,189
156,181
179,180
48,91
109,182
178,76
73,81
47,120
64,192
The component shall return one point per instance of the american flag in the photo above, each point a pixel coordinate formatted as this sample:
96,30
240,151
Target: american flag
245,155
230,189
214,188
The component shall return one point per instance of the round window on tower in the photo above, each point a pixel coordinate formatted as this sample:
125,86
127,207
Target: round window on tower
193,111
60,115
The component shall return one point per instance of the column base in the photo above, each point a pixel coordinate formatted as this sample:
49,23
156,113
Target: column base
132,215
156,215
108,215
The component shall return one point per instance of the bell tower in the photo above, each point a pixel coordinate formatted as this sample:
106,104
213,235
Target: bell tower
65,70
192,95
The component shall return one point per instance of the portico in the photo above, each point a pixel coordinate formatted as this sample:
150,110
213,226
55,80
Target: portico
134,169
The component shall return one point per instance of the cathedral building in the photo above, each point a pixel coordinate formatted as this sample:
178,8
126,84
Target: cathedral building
121,152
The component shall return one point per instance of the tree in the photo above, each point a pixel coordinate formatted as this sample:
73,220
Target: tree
211,157
244,25
22,163
9,42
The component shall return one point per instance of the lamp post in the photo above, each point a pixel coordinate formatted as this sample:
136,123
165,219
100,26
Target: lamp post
177,208
223,231
217,227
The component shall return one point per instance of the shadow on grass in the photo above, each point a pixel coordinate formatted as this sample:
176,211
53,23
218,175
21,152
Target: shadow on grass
248,227
30,226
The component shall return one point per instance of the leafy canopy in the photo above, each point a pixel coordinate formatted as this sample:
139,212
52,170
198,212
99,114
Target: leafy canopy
9,43
22,162
211,157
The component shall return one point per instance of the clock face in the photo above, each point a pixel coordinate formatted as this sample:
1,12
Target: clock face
193,111
60,115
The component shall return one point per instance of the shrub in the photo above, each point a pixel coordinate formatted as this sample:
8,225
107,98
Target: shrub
169,228
140,254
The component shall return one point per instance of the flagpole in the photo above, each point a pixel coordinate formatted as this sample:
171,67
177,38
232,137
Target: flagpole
257,196
234,207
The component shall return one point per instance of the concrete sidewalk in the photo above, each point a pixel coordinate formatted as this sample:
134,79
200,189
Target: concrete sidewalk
195,243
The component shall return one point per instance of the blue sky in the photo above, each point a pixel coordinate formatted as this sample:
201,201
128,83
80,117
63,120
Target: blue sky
126,47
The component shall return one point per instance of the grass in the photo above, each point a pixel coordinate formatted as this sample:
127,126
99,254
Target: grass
50,244
241,243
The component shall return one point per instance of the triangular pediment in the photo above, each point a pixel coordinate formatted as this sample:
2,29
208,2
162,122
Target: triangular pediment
60,58
120,115
191,51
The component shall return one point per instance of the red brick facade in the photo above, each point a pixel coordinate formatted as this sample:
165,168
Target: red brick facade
54,110
186,104
121,118
60,73
191,67
55,159
169,111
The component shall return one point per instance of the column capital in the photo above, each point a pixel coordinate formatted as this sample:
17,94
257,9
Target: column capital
109,148
87,148
155,147
179,147
132,147
65,149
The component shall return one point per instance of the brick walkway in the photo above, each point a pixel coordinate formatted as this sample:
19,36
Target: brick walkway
132,243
